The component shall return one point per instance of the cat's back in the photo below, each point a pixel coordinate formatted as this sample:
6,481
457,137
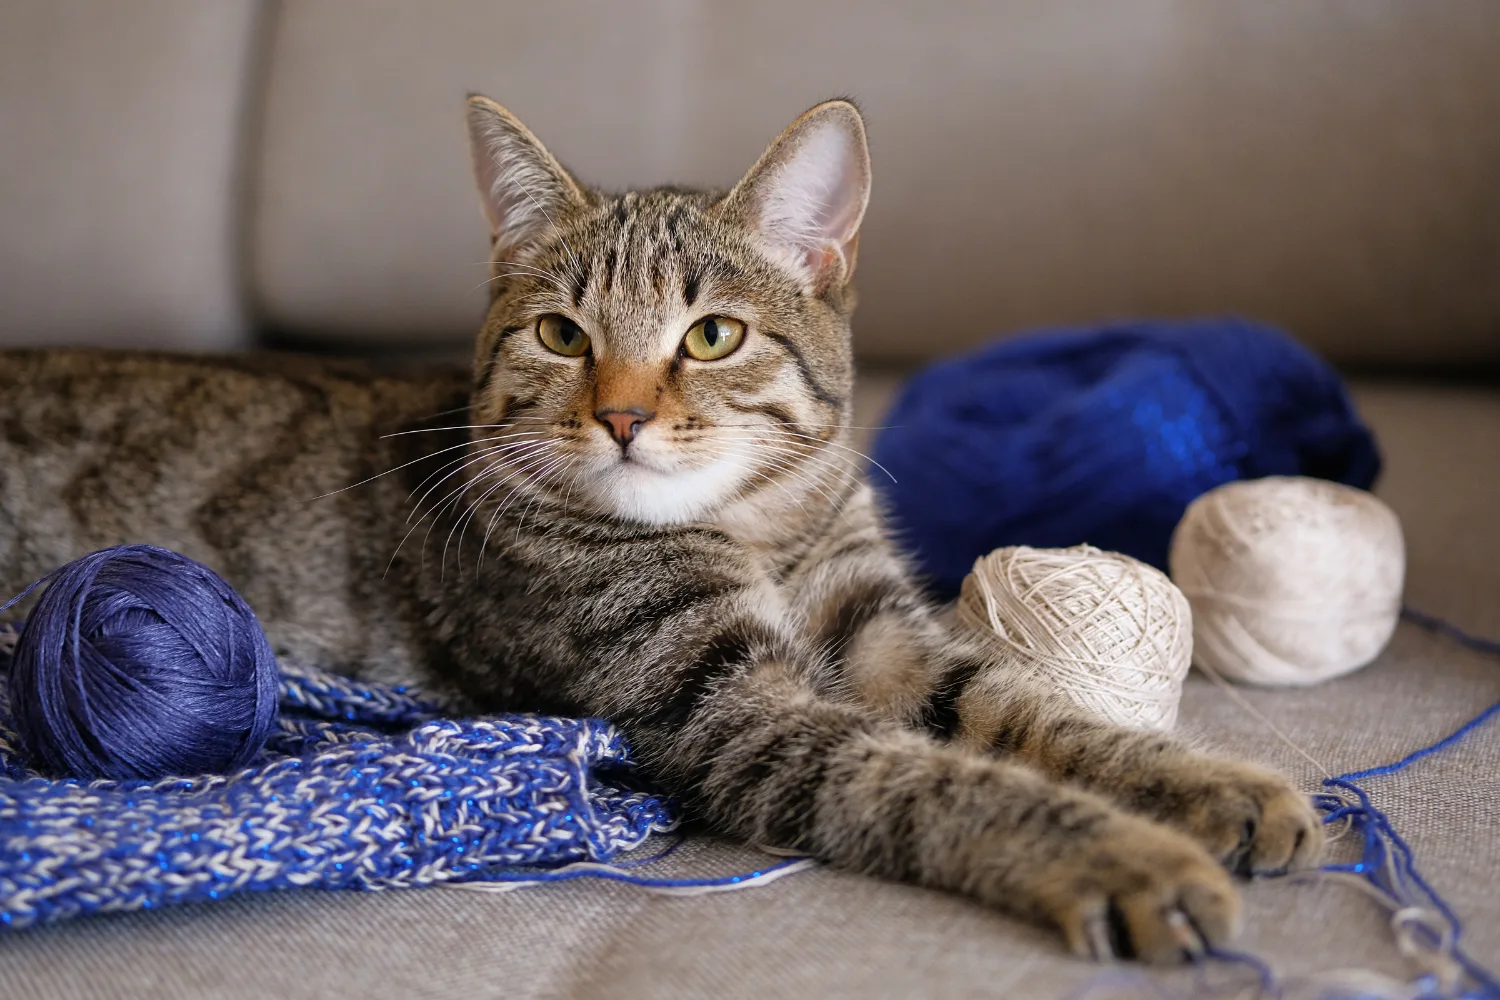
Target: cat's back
73,393
121,429
218,457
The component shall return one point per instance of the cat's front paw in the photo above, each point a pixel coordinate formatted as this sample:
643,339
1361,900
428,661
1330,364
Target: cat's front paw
1253,820
1140,890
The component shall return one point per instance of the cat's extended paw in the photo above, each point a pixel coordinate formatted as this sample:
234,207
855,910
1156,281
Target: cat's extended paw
1140,890
1250,818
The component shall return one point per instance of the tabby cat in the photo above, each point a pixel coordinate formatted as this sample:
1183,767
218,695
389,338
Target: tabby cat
642,504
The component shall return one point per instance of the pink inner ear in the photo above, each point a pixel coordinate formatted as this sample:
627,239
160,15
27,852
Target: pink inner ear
812,202
823,260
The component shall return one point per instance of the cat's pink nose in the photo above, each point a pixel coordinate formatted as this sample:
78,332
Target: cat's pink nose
623,424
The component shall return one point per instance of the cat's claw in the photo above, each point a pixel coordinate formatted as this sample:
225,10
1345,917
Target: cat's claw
1251,819
1144,892
1110,936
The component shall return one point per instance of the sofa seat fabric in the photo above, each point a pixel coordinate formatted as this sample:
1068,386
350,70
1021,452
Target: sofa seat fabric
827,934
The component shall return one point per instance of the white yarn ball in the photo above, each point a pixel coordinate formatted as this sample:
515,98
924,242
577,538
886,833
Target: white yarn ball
1292,580
1112,632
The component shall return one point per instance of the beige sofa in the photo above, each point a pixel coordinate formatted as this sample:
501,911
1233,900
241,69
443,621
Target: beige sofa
242,173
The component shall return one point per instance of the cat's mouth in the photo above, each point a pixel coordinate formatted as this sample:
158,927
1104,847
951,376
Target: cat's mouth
636,465
638,485
632,458
644,455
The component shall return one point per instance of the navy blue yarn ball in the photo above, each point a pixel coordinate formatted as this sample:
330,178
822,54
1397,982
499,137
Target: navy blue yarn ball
138,662
1104,436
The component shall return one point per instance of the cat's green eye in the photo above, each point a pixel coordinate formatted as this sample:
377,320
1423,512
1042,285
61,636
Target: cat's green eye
713,337
562,336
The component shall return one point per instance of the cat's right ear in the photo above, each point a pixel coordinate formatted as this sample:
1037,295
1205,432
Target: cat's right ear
523,187
806,196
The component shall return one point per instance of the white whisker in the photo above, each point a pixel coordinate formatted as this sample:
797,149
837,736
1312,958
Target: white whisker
784,432
483,451
550,221
511,274
448,500
455,427
803,452
557,469
841,447
534,476
405,465
517,452
781,460
462,519
759,473
538,271
387,472
814,423
810,454
461,525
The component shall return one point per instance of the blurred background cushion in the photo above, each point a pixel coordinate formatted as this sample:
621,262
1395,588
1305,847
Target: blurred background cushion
123,128
1327,165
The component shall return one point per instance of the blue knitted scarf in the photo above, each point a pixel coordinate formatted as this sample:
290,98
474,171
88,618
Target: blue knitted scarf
363,786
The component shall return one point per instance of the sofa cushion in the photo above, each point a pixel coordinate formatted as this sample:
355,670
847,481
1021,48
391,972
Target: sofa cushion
122,128
1324,165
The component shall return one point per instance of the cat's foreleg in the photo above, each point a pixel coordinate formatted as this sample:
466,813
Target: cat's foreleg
748,744
1249,817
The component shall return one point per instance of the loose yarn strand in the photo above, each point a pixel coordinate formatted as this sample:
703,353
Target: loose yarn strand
1260,716
1427,931
510,881
1434,624
1416,755
1388,865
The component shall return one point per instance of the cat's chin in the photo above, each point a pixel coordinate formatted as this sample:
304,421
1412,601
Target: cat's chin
636,491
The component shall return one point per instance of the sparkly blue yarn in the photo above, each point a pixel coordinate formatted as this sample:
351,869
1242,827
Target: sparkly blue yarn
359,786
1104,436
138,662
1386,861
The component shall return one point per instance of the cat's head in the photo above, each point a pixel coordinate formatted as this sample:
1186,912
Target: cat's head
662,356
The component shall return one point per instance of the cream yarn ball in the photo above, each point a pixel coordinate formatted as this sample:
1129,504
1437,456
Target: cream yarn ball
1292,580
1110,631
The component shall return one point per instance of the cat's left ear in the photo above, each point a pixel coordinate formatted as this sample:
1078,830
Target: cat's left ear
806,196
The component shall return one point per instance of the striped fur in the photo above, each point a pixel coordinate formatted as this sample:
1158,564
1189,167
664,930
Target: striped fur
719,584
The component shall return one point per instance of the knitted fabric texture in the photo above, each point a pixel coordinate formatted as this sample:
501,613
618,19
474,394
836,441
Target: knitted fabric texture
1104,436
361,787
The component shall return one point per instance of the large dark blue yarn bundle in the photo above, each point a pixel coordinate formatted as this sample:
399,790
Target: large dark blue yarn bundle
1104,436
